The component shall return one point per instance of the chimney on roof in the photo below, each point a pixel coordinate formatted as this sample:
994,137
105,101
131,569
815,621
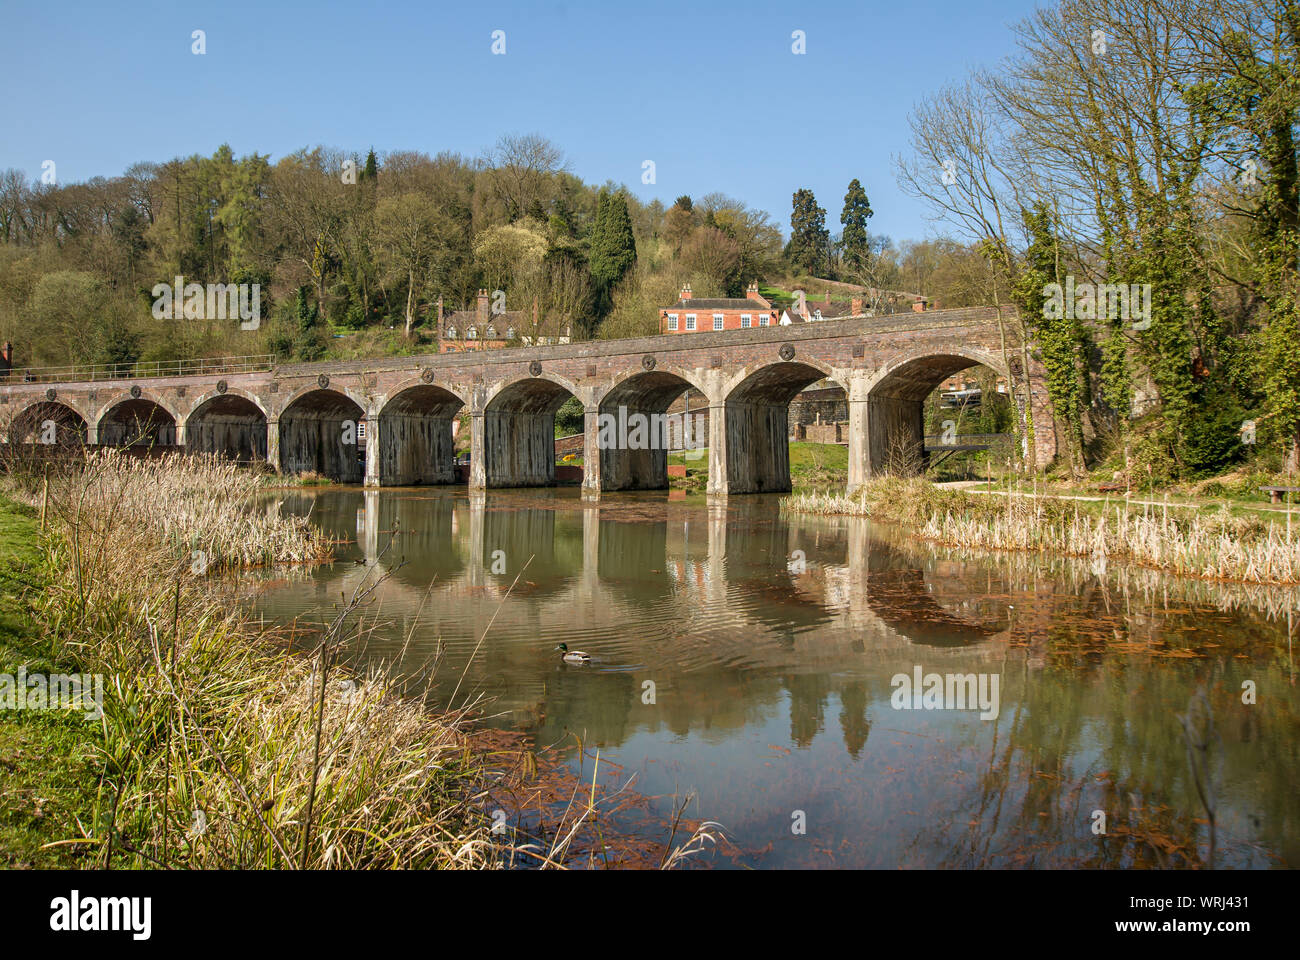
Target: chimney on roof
752,292
828,295
484,308
441,331
855,306
6,359
686,292
918,306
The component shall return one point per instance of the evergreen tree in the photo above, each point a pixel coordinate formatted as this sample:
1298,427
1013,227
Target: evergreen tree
809,239
371,169
857,210
613,245
679,221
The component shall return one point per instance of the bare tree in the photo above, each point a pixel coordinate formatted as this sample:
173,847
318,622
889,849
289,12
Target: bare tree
523,167
306,212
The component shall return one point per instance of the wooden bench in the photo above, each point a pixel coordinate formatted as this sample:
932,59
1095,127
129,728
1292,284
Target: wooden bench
1275,493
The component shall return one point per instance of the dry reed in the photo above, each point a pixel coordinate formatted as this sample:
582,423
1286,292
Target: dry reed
1211,546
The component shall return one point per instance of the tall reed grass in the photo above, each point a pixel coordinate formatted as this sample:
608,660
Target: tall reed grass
1212,546
191,503
214,740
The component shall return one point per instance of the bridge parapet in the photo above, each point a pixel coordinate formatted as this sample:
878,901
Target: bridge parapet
142,370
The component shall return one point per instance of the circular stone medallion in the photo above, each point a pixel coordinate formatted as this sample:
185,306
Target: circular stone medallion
535,368
787,352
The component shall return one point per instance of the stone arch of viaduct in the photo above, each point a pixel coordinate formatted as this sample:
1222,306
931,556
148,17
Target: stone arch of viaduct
392,421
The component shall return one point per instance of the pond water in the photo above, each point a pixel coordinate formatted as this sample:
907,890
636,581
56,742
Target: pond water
754,662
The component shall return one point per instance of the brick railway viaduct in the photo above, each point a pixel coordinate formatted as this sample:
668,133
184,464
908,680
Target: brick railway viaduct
296,416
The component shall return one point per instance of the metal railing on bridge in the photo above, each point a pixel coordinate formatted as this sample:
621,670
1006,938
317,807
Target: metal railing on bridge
77,373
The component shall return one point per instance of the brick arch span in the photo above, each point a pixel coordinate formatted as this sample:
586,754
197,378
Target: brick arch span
232,425
894,398
754,436
320,432
518,432
147,420
634,430
411,440
48,422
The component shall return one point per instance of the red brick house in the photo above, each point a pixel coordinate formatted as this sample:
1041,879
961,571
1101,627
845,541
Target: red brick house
692,315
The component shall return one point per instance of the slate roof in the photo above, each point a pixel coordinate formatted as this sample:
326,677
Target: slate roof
830,311
701,304
471,316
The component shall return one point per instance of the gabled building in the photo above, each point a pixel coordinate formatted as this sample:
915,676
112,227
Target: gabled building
831,310
886,302
694,315
825,310
482,329
477,329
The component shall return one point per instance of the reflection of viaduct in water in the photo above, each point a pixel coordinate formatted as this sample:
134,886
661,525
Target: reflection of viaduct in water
707,603
607,566
390,421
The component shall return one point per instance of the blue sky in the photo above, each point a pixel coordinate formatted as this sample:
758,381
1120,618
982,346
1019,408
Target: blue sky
711,92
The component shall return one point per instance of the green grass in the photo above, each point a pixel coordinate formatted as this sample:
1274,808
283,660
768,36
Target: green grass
813,466
819,464
814,291
46,781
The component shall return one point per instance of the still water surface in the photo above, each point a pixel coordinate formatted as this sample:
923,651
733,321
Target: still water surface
770,644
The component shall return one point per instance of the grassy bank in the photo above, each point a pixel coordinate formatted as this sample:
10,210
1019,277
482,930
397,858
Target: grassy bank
47,779
217,747
1209,544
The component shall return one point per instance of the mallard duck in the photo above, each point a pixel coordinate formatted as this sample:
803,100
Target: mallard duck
574,656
